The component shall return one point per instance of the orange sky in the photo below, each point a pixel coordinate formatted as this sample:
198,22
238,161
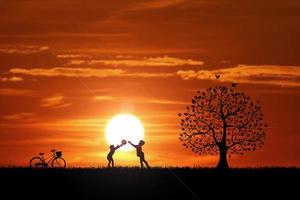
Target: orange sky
67,67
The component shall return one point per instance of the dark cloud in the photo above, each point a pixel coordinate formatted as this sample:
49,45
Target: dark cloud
250,32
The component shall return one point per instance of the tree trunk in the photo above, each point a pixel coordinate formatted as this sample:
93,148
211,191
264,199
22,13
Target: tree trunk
223,158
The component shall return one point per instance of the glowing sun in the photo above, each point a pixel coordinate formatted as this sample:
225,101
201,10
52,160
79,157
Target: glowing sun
124,126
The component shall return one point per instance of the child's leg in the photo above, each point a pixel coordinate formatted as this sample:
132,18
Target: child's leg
141,161
146,163
109,158
112,161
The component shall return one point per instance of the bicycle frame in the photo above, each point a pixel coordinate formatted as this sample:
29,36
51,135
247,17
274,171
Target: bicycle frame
49,159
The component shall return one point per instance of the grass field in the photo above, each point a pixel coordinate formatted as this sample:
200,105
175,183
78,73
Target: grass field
156,183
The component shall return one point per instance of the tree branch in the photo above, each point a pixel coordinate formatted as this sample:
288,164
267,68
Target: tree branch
202,147
194,134
245,124
242,141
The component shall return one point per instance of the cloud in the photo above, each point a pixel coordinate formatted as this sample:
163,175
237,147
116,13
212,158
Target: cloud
207,28
164,61
58,35
133,51
19,116
257,74
23,49
156,4
44,48
187,74
69,72
76,62
16,92
149,75
124,56
55,101
103,98
73,56
159,101
145,100
74,125
86,72
11,79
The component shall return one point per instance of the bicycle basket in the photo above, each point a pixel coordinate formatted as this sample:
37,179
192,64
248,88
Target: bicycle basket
58,154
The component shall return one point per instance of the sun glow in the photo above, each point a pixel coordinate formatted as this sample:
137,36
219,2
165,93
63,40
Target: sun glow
124,126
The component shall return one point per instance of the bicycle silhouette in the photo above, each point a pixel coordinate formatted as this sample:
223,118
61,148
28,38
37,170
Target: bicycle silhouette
55,159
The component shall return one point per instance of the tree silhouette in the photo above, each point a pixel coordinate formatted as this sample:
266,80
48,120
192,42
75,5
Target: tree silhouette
222,121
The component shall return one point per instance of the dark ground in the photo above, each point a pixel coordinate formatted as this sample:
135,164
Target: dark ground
156,183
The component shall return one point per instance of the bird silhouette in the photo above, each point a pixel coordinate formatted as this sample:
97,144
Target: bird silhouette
234,84
218,76
179,114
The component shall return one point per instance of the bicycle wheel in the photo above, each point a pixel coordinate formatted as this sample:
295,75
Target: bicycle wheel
37,163
58,163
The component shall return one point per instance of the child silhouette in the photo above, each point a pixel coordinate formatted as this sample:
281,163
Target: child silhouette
111,153
140,153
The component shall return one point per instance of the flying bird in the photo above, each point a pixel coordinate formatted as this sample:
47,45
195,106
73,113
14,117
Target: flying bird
218,76
234,84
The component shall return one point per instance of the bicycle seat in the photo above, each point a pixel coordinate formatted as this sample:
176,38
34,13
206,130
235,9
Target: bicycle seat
41,154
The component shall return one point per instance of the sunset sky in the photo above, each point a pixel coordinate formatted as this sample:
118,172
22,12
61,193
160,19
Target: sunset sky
67,67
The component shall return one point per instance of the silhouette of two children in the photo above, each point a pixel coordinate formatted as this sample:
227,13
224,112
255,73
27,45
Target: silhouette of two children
139,153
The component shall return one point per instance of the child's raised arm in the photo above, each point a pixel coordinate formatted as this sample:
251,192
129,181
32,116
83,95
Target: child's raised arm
118,146
132,144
